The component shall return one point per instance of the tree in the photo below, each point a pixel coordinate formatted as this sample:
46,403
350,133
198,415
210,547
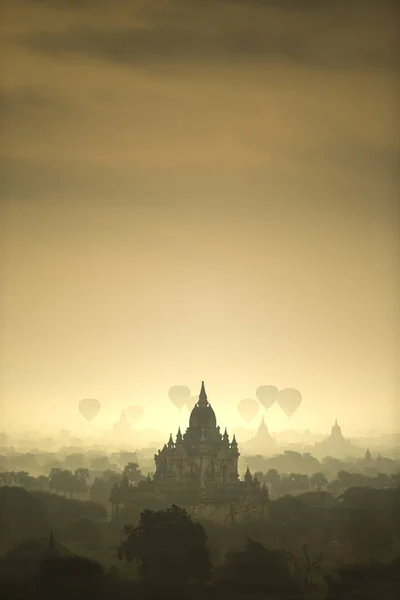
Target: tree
257,571
259,475
289,511
81,478
61,481
168,546
42,482
127,457
85,531
21,515
65,578
101,463
381,481
60,510
272,478
295,482
7,478
100,490
304,569
395,480
23,479
367,581
300,482
369,531
318,481
132,473
347,479
75,461
71,566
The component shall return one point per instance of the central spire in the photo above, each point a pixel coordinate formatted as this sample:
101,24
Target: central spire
203,396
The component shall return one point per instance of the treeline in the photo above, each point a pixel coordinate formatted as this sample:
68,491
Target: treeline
297,483
294,553
41,463
296,462
97,486
97,461
80,483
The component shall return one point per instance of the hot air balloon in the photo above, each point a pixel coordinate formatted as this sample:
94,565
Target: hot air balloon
192,401
89,408
134,413
266,395
248,409
289,400
179,395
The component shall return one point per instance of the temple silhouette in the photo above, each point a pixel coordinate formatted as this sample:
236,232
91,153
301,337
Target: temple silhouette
122,428
336,444
199,470
262,443
200,457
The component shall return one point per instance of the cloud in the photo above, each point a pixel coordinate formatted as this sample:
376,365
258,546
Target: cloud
28,113
233,32
59,4
17,100
30,179
107,132
343,171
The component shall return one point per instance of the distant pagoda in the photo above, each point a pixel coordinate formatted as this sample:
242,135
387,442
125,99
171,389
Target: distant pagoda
336,444
262,443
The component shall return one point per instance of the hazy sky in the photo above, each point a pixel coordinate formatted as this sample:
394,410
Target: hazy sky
199,190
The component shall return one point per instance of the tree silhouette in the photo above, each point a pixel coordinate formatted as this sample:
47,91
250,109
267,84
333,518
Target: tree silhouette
304,569
65,578
101,463
81,477
132,473
62,480
168,546
369,531
84,530
365,581
272,478
21,515
257,571
318,481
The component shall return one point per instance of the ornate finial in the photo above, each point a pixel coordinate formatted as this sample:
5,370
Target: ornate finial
234,442
203,396
248,478
179,436
170,441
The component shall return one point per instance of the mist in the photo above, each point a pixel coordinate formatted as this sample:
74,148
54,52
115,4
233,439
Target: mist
199,291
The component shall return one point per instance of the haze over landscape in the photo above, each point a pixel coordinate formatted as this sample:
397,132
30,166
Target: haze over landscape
199,292
228,213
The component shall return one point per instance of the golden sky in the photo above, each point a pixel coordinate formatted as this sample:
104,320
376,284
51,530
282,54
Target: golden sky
199,190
